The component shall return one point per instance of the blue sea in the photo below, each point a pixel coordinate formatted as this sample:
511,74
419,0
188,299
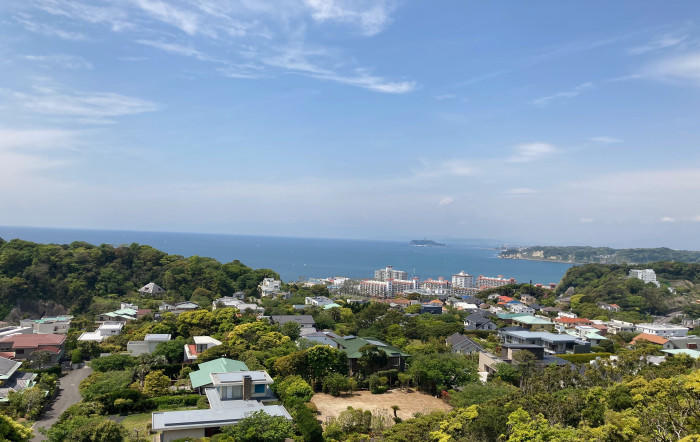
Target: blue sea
303,258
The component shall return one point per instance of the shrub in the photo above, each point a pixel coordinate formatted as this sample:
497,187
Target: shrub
178,400
335,383
113,362
293,389
76,356
378,384
583,358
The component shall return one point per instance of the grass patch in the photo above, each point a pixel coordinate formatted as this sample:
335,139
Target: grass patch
137,426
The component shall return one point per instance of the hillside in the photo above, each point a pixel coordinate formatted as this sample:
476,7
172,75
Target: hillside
601,255
49,278
608,283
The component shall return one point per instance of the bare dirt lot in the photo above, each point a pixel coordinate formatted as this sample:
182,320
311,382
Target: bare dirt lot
409,403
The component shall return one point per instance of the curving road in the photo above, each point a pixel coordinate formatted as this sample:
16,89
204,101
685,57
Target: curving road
67,396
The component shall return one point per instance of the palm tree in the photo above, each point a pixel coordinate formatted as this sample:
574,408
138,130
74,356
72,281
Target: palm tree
395,408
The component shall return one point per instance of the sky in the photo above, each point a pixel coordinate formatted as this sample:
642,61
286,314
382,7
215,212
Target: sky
533,122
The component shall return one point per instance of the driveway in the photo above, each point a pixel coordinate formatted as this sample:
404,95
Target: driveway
67,396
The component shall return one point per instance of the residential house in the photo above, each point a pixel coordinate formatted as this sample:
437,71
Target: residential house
615,327
201,343
462,306
479,321
201,378
24,346
151,289
14,330
518,307
433,309
488,362
105,330
46,325
318,301
229,301
609,307
461,344
690,342
654,339
527,299
665,330
179,307
551,342
323,338
148,345
232,396
590,334
352,346
11,379
304,321
269,287
695,354
534,323
126,312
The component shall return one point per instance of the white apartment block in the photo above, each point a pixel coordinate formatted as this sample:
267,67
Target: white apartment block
46,325
438,286
485,282
665,330
462,280
388,288
646,275
389,273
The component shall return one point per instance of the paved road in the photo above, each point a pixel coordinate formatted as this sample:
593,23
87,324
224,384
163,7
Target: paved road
67,396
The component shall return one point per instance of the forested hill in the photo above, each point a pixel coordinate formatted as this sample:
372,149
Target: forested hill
601,255
591,284
72,275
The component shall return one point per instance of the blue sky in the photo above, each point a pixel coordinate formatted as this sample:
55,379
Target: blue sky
547,122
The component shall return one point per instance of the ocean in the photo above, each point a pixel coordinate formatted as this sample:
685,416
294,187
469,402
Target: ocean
303,258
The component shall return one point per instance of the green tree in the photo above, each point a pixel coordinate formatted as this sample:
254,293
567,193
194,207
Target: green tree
156,384
260,427
86,429
291,329
173,350
10,430
441,371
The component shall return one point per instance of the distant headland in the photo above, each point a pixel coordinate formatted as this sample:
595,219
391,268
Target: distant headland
426,243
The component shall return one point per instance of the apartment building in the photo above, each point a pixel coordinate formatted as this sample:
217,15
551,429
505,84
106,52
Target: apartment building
389,273
462,280
485,282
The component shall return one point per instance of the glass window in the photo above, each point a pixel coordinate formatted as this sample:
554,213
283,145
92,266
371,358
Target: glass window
259,388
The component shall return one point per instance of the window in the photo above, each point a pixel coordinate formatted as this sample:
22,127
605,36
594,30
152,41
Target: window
259,388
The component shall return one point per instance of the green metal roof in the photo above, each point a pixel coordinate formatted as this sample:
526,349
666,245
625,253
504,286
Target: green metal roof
351,345
331,305
222,365
684,351
594,335
510,315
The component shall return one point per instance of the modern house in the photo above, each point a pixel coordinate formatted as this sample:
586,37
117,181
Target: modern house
527,299
353,345
552,343
433,309
323,338
646,337
688,342
201,343
23,346
232,396
126,312
665,330
318,301
11,379
14,330
177,308
518,307
615,327
201,378
488,362
229,301
148,345
270,287
479,321
46,325
534,323
304,321
462,344
151,289
105,330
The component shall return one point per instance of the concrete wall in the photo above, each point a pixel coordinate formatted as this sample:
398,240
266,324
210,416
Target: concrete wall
171,435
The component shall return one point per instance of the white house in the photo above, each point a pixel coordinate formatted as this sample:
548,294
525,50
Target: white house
665,330
228,301
270,286
105,330
201,343
148,345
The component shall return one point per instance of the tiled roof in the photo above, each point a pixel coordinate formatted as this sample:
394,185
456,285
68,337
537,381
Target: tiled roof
34,340
650,338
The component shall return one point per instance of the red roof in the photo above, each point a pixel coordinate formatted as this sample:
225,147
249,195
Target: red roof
51,348
614,305
651,338
505,298
34,341
7,354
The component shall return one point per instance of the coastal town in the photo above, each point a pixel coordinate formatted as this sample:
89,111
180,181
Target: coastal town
308,353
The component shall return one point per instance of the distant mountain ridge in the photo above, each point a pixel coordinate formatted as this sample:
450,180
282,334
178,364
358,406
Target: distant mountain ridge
426,243
600,255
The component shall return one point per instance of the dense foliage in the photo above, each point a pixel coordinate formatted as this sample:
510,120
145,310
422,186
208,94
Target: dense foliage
70,276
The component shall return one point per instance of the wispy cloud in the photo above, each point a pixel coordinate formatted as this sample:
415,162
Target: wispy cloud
662,42
606,140
96,107
446,201
37,138
528,152
683,68
667,219
73,62
575,92
186,21
370,16
520,191
175,48
48,30
453,167
586,220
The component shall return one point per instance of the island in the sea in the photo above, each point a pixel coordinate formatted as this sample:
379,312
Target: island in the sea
600,255
426,243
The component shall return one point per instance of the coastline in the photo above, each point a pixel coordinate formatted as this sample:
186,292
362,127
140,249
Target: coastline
545,260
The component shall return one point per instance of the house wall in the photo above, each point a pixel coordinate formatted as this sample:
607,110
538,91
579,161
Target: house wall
172,435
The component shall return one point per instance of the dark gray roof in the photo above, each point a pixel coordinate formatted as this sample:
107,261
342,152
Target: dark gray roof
462,344
300,319
8,366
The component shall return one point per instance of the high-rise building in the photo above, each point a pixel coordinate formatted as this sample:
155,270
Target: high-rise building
646,275
388,288
389,273
462,280
436,286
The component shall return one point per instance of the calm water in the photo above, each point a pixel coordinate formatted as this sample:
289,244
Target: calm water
299,258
